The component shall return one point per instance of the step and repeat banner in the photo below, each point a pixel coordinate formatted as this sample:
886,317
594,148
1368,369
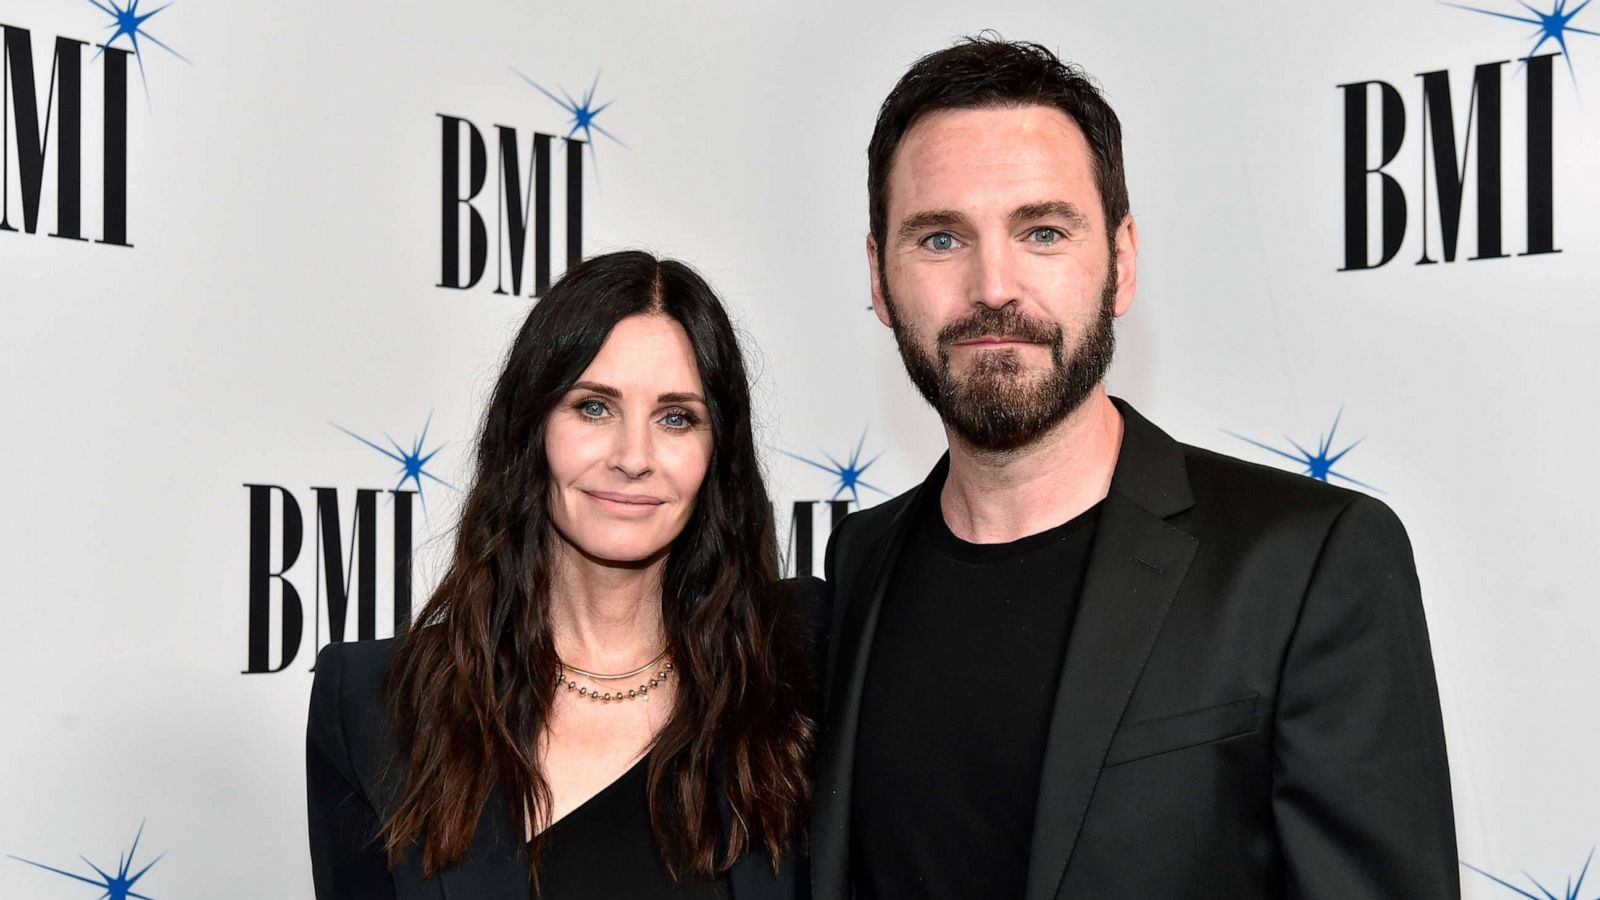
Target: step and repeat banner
259,263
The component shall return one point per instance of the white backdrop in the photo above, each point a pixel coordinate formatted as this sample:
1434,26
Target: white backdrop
280,300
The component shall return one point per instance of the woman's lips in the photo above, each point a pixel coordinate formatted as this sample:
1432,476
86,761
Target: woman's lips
637,504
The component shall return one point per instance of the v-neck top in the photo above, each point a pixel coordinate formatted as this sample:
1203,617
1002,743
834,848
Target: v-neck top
604,848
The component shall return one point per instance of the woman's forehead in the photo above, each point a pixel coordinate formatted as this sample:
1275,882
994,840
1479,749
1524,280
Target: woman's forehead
649,354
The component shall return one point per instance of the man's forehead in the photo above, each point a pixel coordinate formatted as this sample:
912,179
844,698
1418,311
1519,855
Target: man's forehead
955,152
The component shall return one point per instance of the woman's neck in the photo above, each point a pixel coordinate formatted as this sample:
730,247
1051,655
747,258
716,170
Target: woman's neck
606,617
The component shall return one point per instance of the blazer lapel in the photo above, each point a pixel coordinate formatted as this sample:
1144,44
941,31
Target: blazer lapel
496,868
751,877
860,591
1135,568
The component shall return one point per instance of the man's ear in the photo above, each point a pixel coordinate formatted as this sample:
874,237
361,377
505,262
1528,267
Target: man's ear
1127,253
880,303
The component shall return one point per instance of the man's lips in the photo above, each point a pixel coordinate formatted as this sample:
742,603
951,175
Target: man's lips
990,342
625,499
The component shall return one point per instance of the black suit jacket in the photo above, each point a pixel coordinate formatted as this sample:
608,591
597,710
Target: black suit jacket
349,780
1247,708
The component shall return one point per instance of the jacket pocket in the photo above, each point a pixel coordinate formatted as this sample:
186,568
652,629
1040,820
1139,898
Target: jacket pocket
1164,734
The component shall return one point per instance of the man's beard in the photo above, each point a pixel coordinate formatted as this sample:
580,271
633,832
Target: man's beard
992,407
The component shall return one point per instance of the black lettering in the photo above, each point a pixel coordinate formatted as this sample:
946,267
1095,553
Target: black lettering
334,578
1541,166
1438,122
261,576
33,136
452,204
114,227
1392,204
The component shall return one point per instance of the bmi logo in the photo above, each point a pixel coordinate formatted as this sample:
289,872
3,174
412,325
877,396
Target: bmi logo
522,197
1320,463
61,127
1460,126
341,570
800,558
1573,891
115,885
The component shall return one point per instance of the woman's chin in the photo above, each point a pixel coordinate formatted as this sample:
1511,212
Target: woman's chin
621,554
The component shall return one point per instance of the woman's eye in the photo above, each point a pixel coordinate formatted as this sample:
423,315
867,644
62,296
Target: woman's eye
1044,235
593,409
942,242
678,420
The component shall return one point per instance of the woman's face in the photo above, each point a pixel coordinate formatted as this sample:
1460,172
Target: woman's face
630,443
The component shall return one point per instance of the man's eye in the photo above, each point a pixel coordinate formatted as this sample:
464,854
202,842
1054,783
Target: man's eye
1044,235
942,242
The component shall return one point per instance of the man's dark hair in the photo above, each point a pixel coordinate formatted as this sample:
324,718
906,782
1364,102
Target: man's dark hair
986,72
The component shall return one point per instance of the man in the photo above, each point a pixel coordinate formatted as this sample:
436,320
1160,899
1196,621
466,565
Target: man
1083,660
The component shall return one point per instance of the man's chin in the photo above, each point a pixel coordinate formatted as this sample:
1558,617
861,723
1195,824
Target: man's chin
999,385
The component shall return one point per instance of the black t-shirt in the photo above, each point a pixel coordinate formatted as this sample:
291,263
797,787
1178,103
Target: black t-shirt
959,690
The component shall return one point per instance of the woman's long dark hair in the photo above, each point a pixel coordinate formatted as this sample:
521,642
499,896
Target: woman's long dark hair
473,683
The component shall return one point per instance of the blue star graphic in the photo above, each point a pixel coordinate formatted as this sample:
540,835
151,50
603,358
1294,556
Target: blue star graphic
583,113
413,462
129,21
1319,465
1544,893
1550,26
116,887
849,474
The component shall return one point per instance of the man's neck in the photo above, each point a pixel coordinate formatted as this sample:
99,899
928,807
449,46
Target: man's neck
993,498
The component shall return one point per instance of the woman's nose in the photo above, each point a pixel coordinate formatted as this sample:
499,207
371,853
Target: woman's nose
631,454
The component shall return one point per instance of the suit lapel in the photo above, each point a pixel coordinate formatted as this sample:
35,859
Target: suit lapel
860,591
1135,568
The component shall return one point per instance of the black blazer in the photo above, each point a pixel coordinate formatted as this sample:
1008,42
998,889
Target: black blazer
1247,708
348,750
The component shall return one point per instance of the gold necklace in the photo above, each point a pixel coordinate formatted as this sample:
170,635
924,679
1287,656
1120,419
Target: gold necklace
642,691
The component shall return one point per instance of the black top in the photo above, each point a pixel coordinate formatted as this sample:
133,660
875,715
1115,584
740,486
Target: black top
962,677
604,848
351,779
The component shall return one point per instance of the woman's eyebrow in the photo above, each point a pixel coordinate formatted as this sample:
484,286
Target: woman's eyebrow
680,398
602,389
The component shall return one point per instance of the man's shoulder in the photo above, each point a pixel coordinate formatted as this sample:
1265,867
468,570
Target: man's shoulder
1261,494
865,527
875,520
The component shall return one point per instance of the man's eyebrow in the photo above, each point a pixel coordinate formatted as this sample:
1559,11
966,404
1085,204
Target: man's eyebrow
680,398
602,389
1052,209
931,218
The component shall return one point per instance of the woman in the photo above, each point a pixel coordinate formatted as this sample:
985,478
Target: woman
608,694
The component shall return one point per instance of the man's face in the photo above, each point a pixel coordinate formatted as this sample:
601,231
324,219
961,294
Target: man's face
1000,278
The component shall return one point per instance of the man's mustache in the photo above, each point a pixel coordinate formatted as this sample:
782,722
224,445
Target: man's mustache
1007,323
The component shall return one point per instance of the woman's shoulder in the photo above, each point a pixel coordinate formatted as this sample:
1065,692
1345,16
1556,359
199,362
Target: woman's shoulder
811,597
356,668
348,719
812,602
